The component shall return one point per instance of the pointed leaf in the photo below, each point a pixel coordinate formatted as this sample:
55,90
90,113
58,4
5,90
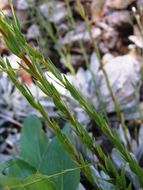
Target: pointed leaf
58,160
34,141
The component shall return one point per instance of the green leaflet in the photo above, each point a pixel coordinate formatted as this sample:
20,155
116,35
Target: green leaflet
38,156
34,182
34,142
21,169
17,168
59,160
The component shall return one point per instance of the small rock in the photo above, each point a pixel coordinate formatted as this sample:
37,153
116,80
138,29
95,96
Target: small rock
103,47
123,72
54,11
73,36
12,139
62,28
119,4
33,32
119,19
25,4
137,40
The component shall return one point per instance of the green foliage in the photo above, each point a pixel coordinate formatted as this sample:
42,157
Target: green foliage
36,181
40,163
59,160
34,142
20,169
